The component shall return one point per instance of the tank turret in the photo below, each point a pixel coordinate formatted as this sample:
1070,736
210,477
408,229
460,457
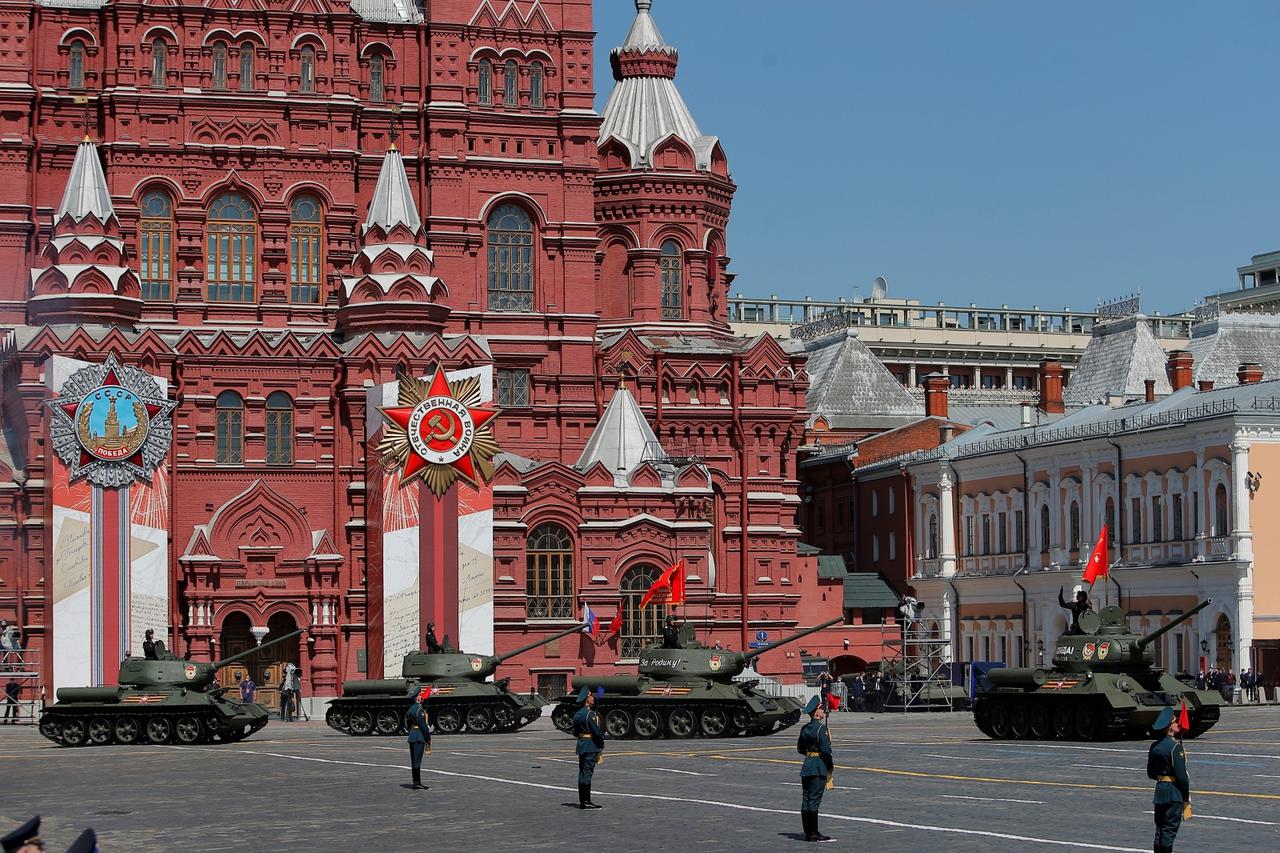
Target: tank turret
169,671
696,661
1107,644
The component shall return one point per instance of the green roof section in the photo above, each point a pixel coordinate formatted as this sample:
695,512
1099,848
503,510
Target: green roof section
868,589
804,549
831,567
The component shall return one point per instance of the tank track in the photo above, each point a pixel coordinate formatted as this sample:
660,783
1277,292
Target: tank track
1084,718
383,717
128,725
634,720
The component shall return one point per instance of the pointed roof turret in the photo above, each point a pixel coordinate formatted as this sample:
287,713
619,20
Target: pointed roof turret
622,440
392,203
86,191
645,107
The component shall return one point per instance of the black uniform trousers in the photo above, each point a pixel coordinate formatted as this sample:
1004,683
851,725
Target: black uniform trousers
416,749
811,796
587,767
1168,820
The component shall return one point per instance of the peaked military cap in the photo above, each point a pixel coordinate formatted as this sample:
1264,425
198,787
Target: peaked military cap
583,694
1166,717
29,831
86,843
813,705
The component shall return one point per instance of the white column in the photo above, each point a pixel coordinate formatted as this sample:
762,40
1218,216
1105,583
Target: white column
1241,532
977,376
1089,525
946,525
1057,554
950,619
1199,506
911,376
1008,378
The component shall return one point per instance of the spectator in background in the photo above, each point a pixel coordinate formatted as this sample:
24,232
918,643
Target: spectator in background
824,687
11,691
858,690
247,688
10,645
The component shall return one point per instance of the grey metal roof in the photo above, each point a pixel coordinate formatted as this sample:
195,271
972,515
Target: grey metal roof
392,202
868,589
644,34
1120,357
845,378
86,191
999,415
831,567
622,440
388,11
1222,344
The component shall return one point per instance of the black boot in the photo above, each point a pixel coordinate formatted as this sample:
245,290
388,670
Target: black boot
807,819
587,804
813,822
417,779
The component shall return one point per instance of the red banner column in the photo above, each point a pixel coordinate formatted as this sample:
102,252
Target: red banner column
438,563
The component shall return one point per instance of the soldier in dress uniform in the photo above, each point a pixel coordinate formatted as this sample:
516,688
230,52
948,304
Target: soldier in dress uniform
815,745
24,839
419,735
1167,765
589,738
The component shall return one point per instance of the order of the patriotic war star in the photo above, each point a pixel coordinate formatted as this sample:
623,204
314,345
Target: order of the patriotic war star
358,373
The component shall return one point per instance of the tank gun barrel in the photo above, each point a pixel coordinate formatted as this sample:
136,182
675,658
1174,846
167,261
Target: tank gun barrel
1147,639
497,659
225,661
755,653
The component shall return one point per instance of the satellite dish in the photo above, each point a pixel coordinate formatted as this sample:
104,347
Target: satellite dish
880,288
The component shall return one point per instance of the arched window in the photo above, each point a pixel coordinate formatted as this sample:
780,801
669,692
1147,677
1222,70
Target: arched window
486,82
246,67
1044,527
549,577
231,267
279,429
510,259
159,58
1223,642
75,64
1074,515
219,65
376,68
510,75
931,543
1221,522
304,250
230,428
640,626
155,246
535,85
307,71
672,265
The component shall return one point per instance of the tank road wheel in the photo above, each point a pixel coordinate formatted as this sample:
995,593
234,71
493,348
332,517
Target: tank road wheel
361,722
479,719
1087,723
741,720
617,723
50,727
504,718
562,718
1040,722
714,722
127,730
999,721
388,722
647,723
1063,722
188,729
448,721
74,732
1020,721
337,719
158,730
99,731
681,723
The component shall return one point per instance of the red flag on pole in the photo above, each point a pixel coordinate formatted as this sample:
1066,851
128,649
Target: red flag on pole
1097,565
672,582
1184,719
615,625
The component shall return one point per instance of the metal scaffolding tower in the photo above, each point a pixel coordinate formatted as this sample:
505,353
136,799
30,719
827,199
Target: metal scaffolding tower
917,662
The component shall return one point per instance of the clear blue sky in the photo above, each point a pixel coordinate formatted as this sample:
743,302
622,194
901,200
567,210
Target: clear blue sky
988,151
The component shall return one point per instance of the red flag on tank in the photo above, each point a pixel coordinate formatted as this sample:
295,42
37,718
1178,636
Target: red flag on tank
1097,565
1184,718
672,582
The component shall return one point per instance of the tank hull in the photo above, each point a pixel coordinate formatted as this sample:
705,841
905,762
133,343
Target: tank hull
1090,706
646,708
454,708
100,716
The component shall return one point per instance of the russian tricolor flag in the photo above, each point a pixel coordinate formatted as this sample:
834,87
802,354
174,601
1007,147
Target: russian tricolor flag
589,623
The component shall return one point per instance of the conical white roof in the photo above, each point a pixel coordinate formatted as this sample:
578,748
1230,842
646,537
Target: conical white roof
392,202
622,440
86,191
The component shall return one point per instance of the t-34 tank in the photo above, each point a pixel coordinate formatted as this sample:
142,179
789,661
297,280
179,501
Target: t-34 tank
1103,684
460,700
685,692
158,701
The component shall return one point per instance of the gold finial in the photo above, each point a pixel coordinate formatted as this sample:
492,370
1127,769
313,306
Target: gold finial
395,126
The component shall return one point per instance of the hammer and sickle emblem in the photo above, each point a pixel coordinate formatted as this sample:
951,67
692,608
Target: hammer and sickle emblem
443,428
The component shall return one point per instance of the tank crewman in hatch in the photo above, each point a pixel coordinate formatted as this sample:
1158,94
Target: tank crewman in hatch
419,735
589,740
1077,607
1167,765
433,645
149,646
670,634
814,744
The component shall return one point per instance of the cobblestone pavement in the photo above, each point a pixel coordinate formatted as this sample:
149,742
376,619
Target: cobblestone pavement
924,782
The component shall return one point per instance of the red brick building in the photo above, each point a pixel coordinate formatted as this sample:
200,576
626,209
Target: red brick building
282,208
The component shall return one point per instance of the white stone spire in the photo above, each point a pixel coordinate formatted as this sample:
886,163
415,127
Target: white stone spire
86,191
392,203
622,440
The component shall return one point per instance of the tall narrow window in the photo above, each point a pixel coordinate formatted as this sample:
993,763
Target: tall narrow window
672,266
1019,533
535,85
549,579
279,429
1157,518
219,65
640,626
986,534
1177,518
75,66
931,543
229,434
246,67
155,246
1002,533
1074,517
1044,527
510,76
159,57
1135,520
376,69
230,253
304,250
307,71
510,259
485,92
1221,525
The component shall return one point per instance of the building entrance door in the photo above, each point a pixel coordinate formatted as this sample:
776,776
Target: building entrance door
266,666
